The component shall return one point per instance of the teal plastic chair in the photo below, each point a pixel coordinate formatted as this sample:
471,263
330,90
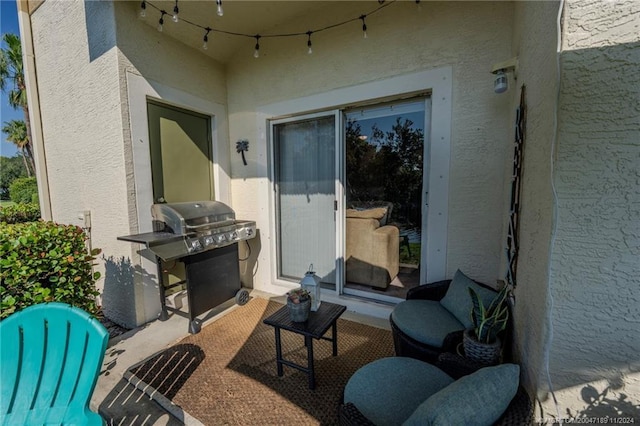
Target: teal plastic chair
50,359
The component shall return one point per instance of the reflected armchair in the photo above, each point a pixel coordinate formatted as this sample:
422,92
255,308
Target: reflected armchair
372,251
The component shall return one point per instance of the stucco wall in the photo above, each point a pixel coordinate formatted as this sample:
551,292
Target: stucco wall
469,37
81,120
534,42
595,261
84,51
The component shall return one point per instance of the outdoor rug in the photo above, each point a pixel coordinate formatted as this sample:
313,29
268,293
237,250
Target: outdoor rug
226,374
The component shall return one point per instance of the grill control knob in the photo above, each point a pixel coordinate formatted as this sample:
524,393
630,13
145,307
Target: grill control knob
195,245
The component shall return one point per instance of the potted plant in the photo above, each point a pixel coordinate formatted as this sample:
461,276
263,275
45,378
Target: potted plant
481,342
299,303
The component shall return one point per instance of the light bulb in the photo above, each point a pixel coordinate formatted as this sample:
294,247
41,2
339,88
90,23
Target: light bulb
205,42
160,28
204,45
310,51
175,13
364,26
256,52
220,11
143,10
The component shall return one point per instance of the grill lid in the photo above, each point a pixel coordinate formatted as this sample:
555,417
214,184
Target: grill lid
182,229
184,218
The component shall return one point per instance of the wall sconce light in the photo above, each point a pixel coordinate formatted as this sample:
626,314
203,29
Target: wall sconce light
501,82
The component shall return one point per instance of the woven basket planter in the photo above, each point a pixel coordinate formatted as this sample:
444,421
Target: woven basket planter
485,353
299,312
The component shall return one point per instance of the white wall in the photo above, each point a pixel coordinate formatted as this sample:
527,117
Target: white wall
469,37
534,42
82,78
81,117
595,261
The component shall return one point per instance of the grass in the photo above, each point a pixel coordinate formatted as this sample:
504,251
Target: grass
6,203
414,259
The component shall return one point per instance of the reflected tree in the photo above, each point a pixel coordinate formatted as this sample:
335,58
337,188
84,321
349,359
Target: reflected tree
387,167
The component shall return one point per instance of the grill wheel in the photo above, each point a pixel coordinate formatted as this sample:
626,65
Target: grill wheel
242,296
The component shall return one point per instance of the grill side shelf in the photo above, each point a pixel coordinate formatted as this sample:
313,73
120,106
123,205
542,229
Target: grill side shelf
151,238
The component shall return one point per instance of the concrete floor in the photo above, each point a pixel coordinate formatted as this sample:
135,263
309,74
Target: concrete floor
121,403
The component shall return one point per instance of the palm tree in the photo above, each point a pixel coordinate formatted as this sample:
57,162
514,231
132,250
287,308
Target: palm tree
12,74
16,131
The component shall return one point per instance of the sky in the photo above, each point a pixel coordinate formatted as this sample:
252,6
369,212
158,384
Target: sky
8,24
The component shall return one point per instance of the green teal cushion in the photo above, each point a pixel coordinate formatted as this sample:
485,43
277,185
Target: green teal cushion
426,321
388,390
457,300
478,399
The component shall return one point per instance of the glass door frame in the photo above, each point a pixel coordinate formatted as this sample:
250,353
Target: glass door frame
338,188
341,202
424,204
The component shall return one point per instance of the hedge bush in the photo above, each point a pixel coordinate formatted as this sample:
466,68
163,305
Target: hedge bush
24,190
44,262
18,213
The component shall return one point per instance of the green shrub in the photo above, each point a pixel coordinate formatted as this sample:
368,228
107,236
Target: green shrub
22,190
18,213
43,262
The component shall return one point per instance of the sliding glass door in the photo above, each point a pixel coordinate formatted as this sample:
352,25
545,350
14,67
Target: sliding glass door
351,192
385,193
305,177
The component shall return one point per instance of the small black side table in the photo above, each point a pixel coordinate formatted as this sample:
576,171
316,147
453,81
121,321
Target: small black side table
314,328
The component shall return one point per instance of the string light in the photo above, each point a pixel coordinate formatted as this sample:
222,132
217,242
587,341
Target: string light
205,39
310,51
364,26
161,20
257,37
256,53
175,13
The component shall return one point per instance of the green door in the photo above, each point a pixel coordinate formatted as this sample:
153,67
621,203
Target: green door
181,160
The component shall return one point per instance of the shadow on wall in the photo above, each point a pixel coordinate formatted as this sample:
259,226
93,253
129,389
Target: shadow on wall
595,257
99,24
248,252
118,295
599,405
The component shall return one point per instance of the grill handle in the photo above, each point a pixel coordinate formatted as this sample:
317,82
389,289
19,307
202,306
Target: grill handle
210,225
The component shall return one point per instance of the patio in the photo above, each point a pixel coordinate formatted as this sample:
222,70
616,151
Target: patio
577,275
120,402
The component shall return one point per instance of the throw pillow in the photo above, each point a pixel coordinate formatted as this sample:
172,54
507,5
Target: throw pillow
377,213
457,300
478,399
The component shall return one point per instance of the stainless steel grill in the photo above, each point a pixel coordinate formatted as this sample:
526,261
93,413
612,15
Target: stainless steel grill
191,232
200,226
